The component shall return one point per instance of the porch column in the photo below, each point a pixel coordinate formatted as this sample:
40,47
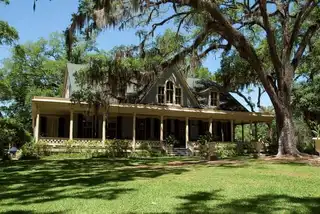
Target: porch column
210,126
232,131
161,129
103,128
187,131
36,128
134,132
71,126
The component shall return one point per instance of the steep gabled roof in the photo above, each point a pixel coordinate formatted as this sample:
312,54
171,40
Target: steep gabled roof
193,87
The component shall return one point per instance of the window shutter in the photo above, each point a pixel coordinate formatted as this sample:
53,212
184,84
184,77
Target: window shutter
148,128
62,126
176,129
156,129
119,127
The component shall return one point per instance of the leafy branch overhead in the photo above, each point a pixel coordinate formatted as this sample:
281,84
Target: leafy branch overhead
8,34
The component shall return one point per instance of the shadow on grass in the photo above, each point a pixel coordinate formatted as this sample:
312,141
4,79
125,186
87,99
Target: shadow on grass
30,182
214,202
269,203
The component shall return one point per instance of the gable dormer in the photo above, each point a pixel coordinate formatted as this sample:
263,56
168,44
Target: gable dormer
209,97
171,89
214,98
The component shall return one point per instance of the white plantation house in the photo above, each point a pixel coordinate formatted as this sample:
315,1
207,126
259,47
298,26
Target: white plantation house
172,105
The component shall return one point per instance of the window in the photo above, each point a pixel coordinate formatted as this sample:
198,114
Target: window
214,99
161,94
169,92
178,95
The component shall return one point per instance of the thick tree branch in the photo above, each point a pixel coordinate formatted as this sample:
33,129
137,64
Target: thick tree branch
212,47
178,57
270,38
154,27
301,17
304,43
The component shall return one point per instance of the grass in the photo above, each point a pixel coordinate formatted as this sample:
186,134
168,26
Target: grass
156,186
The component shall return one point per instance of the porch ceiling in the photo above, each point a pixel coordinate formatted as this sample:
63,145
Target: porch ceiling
50,105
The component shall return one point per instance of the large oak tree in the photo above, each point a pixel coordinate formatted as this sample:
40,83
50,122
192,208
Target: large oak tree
286,27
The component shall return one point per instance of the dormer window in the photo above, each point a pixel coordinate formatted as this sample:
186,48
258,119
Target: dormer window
214,98
169,93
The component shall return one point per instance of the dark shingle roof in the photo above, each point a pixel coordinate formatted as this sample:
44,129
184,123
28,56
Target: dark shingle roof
228,102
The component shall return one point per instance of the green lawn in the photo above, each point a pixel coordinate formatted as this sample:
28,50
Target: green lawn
154,186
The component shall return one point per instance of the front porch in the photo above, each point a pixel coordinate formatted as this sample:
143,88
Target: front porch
57,120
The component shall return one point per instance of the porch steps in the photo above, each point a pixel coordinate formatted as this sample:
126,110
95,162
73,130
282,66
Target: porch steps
180,152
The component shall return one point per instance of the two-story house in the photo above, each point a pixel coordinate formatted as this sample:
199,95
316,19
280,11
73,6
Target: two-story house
172,105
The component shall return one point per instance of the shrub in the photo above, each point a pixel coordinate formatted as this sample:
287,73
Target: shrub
29,152
69,146
207,147
226,150
171,140
140,154
42,148
116,148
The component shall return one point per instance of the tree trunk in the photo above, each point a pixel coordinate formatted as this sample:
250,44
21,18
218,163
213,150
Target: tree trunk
287,144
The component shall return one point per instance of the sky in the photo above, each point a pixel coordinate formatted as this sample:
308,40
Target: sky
52,16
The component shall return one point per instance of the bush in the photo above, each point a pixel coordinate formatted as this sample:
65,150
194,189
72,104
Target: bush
226,150
207,147
140,154
42,148
116,148
29,151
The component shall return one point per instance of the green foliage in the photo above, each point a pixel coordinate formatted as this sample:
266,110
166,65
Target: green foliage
69,146
8,34
140,154
226,150
29,151
315,129
145,150
116,148
204,139
12,133
34,69
171,140
304,137
306,96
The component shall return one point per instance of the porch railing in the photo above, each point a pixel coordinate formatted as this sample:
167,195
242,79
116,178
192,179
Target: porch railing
55,141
